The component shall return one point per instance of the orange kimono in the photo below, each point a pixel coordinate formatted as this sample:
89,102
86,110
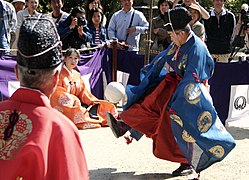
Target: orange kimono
69,96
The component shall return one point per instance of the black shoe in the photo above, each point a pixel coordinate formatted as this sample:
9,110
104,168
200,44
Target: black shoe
183,170
114,125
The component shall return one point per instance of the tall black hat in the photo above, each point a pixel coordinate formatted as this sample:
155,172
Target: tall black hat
39,45
178,17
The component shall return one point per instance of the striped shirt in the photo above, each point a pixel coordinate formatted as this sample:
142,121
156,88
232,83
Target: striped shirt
97,38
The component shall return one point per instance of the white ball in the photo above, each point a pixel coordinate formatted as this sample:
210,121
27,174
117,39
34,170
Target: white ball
114,92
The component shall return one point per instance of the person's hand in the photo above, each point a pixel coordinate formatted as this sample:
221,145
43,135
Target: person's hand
155,31
80,30
73,23
131,30
108,44
100,45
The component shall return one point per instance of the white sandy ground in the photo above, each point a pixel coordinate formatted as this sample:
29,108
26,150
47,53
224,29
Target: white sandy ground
109,158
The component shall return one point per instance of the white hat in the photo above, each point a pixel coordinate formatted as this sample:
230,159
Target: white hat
23,1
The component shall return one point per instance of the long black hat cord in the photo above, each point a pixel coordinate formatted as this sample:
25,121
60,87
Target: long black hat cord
13,118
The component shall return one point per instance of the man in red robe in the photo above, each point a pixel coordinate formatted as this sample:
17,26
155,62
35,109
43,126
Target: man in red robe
37,141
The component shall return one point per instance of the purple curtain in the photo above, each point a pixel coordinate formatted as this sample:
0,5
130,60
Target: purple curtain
225,75
7,64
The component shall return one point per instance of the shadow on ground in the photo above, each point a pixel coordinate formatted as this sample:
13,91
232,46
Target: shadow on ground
111,174
238,133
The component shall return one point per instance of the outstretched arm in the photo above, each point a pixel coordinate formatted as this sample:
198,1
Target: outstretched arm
204,12
175,3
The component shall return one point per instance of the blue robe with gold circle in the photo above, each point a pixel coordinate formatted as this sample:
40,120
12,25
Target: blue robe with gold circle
196,126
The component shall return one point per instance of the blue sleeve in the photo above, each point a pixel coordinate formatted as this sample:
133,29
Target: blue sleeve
64,30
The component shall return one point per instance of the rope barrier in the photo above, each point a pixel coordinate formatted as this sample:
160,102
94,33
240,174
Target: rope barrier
81,50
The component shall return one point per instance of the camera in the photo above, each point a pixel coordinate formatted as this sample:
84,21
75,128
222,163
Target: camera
82,21
245,16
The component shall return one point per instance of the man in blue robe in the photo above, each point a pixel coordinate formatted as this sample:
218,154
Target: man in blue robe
172,105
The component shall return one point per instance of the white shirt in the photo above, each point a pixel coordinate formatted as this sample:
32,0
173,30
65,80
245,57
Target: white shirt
63,16
21,16
120,22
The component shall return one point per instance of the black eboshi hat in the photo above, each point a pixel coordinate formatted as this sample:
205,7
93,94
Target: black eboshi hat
39,45
178,17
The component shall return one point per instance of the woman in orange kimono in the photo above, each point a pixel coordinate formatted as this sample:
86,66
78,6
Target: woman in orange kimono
74,100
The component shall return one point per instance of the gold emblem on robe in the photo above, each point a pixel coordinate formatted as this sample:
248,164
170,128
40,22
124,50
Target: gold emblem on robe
177,119
218,151
183,62
204,121
186,137
192,93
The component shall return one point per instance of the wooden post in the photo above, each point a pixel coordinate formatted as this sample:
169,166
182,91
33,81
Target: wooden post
114,59
146,53
148,36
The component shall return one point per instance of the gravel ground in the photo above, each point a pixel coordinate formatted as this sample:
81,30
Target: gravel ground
110,158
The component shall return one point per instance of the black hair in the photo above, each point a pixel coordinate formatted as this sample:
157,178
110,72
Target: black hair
77,10
91,12
162,1
70,51
55,0
87,7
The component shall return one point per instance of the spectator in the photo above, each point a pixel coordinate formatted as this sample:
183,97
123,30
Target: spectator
57,14
73,30
18,5
38,142
220,31
127,24
90,4
242,30
96,29
7,24
187,3
29,11
74,100
160,35
195,24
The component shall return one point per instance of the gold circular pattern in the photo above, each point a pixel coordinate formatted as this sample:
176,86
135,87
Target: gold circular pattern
183,62
186,137
218,151
177,119
204,121
181,65
192,93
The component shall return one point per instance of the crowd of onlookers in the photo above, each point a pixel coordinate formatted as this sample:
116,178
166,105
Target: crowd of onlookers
87,26
38,142
217,28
